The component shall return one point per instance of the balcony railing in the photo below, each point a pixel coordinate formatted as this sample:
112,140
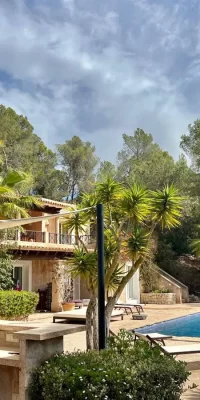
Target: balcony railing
32,236
44,237
69,239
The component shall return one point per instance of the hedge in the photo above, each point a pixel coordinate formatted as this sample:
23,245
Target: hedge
122,372
16,305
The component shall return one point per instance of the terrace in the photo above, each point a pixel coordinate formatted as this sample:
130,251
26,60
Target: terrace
47,240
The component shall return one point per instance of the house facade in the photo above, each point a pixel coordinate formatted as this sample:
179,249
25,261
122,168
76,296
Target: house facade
41,246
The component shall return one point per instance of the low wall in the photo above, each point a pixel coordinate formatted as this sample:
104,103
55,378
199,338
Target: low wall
158,298
34,343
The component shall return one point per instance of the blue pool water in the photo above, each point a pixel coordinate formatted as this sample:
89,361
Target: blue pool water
184,326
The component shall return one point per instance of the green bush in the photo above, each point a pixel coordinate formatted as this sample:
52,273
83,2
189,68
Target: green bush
162,290
123,371
17,305
6,268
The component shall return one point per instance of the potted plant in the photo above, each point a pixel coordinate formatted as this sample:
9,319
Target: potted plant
68,304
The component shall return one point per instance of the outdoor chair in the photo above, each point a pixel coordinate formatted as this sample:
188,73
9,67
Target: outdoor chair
176,350
156,337
128,307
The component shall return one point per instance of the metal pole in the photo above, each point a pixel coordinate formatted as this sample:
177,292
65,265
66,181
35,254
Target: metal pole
101,283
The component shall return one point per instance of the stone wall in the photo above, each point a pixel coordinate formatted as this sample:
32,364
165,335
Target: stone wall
158,298
166,281
168,284
9,383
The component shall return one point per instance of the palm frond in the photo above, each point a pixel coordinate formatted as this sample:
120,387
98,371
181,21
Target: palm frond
90,200
5,190
111,246
12,210
83,264
195,246
76,222
135,203
116,277
109,191
14,177
137,243
29,201
167,207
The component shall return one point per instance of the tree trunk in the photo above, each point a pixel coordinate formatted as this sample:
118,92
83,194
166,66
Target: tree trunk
95,325
89,330
109,308
112,300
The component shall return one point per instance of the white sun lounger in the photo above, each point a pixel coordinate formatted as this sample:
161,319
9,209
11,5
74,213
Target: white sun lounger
157,337
176,350
81,315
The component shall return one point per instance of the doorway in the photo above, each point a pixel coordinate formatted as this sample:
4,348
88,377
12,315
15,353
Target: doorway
22,272
133,288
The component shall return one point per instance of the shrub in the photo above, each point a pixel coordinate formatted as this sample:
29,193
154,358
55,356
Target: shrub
163,290
123,371
6,267
17,305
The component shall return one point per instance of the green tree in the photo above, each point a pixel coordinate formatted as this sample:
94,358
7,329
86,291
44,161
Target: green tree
131,216
106,168
143,161
21,149
190,144
78,161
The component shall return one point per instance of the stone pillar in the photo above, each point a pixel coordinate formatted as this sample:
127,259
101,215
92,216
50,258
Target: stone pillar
46,237
56,305
32,353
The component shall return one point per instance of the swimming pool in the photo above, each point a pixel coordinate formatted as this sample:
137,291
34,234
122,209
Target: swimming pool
183,326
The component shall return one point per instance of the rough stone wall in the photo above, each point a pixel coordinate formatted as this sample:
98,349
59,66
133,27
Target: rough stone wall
158,298
9,383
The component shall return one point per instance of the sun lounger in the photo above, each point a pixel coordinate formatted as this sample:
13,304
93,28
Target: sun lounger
177,350
129,307
152,337
80,314
184,349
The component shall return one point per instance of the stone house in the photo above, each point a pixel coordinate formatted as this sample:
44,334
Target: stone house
40,246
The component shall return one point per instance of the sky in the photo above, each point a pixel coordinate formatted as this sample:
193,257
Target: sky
98,69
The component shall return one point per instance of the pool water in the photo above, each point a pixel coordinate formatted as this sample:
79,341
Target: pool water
184,326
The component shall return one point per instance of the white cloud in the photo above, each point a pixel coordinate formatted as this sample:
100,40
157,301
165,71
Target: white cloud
97,70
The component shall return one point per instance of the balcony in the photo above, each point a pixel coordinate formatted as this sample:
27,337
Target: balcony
44,240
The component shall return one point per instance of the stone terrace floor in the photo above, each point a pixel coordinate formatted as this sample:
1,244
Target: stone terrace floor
155,313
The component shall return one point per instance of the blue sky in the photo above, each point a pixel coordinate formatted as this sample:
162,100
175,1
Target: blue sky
98,69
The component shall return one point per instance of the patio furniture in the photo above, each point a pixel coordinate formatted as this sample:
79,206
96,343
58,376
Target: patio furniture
129,307
156,337
80,314
177,350
78,303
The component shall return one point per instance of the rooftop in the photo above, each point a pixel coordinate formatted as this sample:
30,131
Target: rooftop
56,204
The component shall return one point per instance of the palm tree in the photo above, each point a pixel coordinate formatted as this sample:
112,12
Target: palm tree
131,216
12,204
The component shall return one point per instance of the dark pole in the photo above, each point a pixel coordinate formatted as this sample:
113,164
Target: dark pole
101,283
